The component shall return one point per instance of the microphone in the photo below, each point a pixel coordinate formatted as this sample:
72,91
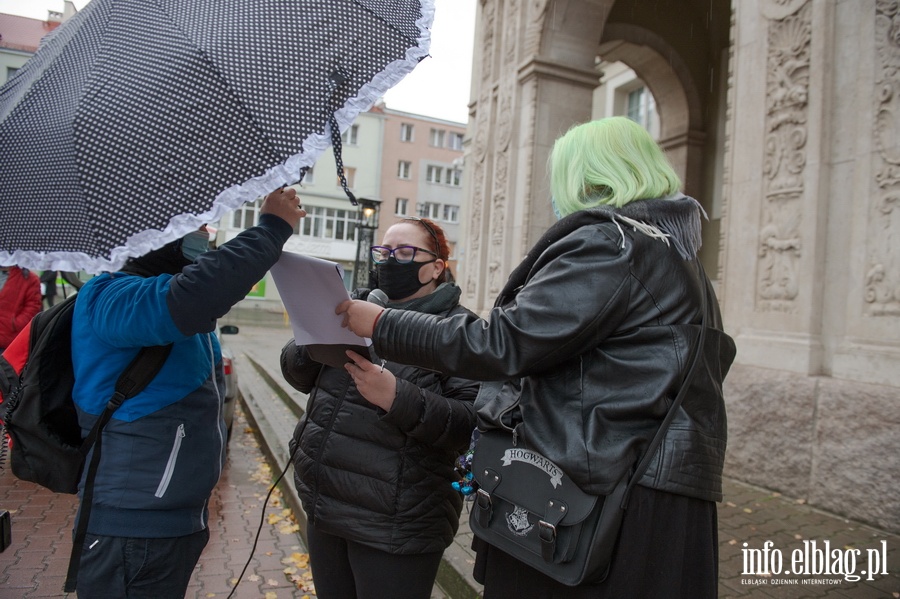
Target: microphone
378,297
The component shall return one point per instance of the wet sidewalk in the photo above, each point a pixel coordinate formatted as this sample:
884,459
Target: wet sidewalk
36,562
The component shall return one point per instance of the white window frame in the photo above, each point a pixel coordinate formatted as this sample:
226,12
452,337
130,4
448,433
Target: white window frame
350,136
430,210
456,141
401,206
407,132
329,223
451,213
434,173
404,170
436,138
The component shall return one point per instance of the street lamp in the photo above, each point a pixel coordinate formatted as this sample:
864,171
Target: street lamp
365,235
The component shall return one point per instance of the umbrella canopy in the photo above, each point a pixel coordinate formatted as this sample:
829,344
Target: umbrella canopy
138,121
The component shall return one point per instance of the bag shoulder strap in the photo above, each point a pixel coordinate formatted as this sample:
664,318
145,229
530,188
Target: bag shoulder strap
686,383
137,375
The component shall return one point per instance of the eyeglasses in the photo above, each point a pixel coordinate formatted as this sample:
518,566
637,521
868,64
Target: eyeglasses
403,254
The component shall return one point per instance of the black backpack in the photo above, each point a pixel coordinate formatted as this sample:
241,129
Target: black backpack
38,412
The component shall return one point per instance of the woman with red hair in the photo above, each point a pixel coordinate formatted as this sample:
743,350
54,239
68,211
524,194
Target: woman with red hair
375,453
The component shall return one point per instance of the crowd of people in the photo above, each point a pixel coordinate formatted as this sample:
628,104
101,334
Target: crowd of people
590,335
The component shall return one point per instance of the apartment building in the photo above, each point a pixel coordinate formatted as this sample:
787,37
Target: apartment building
422,172
20,37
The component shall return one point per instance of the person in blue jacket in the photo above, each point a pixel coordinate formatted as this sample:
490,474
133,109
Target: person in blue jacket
164,449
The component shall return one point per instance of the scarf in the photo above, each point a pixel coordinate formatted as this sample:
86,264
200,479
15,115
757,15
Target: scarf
442,299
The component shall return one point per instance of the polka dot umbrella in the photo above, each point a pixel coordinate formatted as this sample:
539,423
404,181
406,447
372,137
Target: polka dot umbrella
135,122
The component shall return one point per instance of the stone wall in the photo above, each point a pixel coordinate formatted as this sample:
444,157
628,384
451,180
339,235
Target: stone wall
829,442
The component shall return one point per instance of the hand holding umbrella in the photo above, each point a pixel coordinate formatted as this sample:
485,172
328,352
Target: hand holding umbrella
285,204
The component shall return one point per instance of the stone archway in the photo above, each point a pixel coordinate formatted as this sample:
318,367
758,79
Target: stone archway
533,77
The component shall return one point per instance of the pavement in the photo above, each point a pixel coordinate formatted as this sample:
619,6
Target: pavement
762,534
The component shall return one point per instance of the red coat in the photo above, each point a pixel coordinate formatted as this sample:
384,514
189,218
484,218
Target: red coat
20,300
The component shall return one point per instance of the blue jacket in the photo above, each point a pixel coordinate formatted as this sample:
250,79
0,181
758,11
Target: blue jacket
164,449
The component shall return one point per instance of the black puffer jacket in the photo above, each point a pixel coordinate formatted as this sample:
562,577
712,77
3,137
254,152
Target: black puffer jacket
380,478
597,325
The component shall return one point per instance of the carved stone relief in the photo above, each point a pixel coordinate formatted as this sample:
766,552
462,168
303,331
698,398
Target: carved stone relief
787,89
487,56
537,10
777,10
511,20
882,285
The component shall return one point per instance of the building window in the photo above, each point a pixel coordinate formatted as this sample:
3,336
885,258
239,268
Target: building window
451,213
400,206
349,174
456,141
406,132
453,177
350,135
640,107
246,216
329,223
10,71
403,169
437,138
433,174
429,210
309,178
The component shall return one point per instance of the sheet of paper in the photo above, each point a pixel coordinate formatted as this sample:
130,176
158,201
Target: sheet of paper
311,288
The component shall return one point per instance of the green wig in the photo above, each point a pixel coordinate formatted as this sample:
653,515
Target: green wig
610,161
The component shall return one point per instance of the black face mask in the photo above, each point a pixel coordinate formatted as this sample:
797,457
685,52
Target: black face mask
399,281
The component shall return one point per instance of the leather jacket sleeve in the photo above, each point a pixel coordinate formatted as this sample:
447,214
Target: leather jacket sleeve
577,296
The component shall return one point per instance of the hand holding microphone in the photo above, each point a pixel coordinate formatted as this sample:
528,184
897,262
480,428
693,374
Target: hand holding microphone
378,297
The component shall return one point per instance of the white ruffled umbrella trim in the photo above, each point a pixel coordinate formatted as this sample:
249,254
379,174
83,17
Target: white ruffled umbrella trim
237,195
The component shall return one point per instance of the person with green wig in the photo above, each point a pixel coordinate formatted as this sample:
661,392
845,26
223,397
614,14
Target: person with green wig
593,334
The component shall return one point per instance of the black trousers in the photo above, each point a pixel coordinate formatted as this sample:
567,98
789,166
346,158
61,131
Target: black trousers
138,568
345,569
668,547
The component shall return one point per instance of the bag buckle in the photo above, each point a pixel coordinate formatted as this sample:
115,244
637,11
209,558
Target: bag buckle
556,510
484,507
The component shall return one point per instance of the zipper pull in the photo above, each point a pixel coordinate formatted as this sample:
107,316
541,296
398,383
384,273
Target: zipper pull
515,434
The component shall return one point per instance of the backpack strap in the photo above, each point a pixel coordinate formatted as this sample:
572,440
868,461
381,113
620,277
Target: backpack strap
137,375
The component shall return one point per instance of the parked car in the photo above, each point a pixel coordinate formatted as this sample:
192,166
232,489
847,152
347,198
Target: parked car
231,377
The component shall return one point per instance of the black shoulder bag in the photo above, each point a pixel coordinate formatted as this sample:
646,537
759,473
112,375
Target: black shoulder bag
527,507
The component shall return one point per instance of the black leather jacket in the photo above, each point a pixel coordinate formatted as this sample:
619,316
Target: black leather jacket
380,478
597,330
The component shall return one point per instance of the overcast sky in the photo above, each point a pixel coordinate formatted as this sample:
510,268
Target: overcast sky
439,85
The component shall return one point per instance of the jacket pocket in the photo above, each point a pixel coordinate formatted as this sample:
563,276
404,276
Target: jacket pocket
170,465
